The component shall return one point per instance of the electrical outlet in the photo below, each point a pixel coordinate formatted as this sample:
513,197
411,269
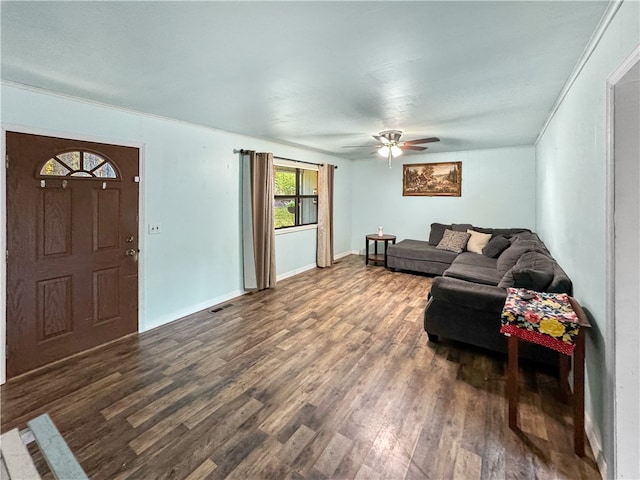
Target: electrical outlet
154,228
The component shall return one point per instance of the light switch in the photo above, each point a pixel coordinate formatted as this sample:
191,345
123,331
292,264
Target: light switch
154,228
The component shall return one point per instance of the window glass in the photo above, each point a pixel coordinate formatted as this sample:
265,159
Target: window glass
285,181
309,211
295,199
78,164
71,159
284,212
105,171
91,161
54,168
309,182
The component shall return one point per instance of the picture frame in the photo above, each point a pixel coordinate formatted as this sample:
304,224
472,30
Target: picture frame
443,179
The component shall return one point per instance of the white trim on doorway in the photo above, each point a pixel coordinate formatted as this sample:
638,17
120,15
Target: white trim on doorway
7,127
612,388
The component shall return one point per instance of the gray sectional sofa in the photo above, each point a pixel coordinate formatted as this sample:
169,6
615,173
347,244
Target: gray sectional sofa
467,296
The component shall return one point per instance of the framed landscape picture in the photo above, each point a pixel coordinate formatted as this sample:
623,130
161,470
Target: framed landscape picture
432,179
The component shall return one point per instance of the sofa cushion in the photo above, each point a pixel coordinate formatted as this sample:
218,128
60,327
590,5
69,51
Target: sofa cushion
532,279
506,232
473,259
474,268
561,282
420,250
461,227
472,295
437,231
477,241
453,241
473,273
511,255
496,246
528,238
533,270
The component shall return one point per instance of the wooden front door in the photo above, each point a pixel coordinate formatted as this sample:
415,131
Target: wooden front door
72,247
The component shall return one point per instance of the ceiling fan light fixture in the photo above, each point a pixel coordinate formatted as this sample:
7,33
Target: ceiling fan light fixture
384,151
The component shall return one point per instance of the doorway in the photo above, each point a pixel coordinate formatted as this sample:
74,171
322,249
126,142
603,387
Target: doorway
623,295
72,247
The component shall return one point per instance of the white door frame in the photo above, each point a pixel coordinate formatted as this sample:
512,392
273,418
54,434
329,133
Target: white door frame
611,350
7,127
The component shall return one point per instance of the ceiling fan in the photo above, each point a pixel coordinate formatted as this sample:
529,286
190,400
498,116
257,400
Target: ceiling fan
391,146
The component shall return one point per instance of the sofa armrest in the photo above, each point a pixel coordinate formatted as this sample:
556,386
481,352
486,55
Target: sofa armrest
471,295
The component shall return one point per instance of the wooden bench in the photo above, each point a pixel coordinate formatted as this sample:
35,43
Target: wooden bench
16,462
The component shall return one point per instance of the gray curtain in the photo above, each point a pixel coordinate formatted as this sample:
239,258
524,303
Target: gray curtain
259,254
325,216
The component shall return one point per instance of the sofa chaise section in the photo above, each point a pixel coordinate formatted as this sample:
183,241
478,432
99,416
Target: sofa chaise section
419,256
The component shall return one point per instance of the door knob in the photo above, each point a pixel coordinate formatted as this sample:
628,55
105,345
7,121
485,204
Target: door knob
131,252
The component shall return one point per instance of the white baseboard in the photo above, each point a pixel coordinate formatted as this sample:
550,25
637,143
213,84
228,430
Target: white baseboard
183,312
595,440
296,271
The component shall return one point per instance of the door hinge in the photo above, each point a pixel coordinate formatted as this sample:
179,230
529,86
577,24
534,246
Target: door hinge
6,256
6,159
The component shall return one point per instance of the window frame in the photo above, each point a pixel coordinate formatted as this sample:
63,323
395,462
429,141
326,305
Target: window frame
73,172
297,197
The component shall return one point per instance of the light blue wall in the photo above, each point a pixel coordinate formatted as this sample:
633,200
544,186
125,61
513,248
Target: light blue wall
571,200
291,248
498,189
190,185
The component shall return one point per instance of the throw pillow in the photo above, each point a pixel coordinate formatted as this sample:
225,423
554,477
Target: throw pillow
477,241
532,279
496,246
437,231
453,241
533,270
511,255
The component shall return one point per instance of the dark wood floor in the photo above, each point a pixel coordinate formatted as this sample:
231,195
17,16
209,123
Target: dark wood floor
330,375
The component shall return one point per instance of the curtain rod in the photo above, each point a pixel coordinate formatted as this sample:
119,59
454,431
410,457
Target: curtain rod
242,151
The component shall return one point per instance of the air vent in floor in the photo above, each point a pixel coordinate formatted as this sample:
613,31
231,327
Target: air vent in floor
220,308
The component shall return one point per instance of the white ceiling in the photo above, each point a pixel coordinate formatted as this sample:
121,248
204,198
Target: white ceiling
318,74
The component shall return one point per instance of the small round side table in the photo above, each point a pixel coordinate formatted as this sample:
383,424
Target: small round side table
377,258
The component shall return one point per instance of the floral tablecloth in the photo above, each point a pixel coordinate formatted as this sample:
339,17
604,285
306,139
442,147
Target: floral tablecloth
543,318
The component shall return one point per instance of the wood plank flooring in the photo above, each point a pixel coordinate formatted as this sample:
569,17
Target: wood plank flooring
330,375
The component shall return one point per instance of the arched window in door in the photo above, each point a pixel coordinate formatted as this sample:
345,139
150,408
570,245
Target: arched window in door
80,164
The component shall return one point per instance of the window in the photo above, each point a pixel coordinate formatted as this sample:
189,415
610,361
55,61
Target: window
295,200
78,164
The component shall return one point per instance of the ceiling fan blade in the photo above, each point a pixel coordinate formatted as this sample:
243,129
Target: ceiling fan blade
358,146
382,139
413,147
422,140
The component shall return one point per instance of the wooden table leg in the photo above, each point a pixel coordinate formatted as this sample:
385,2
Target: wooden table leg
366,255
564,367
512,382
386,243
578,395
